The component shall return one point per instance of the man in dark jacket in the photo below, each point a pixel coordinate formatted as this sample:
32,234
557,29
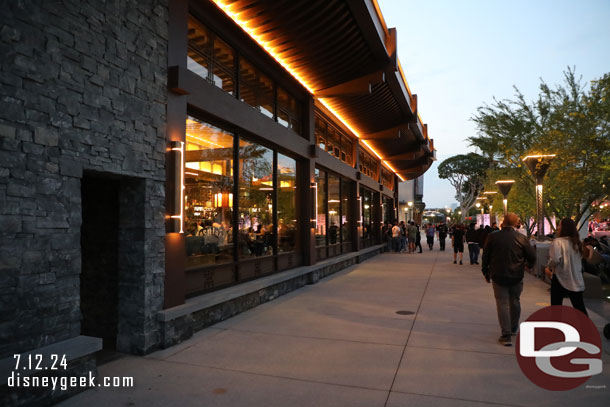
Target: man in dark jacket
442,235
506,254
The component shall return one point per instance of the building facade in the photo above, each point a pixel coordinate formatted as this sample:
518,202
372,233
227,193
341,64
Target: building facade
166,165
410,204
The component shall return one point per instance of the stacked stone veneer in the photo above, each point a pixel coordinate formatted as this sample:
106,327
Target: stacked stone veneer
83,87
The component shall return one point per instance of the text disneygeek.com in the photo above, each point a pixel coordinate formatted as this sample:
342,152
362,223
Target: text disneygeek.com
16,380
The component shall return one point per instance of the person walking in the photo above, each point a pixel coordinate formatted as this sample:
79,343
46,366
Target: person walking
565,266
417,238
403,237
472,238
483,236
457,241
442,235
396,237
430,232
505,257
412,235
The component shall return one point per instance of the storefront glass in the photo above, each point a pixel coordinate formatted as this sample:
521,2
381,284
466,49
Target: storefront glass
346,188
256,186
286,204
334,209
365,195
208,194
321,208
388,210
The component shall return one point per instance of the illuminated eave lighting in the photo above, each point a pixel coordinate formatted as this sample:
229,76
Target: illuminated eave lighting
490,192
508,181
538,156
346,123
228,9
252,32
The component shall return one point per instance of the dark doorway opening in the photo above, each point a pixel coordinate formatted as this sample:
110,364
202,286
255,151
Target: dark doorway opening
99,282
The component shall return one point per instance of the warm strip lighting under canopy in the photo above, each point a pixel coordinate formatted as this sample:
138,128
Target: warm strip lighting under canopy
538,156
257,34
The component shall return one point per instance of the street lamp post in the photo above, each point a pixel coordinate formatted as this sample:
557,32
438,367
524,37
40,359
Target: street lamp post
504,186
538,166
410,205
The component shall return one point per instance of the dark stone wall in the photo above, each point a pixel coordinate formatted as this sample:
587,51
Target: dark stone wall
82,87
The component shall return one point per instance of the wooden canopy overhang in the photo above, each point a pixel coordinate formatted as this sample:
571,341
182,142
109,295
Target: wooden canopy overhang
342,52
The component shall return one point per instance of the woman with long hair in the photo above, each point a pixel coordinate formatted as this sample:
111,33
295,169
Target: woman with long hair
565,266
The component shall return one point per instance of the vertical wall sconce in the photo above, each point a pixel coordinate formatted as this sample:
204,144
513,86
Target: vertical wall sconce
176,201
314,196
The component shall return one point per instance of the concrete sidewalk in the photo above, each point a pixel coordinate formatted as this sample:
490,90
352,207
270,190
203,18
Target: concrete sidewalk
341,343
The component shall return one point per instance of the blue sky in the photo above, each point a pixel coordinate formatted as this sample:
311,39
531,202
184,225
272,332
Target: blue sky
458,55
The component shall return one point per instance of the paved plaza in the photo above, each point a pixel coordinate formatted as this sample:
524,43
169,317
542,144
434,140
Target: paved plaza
341,342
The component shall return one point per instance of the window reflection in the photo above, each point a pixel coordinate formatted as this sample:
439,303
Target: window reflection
387,179
346,187
334,209
288,111
286,203
255,88
369,165
210,57
365,196
388,210
208,194
320,177
217,62
255,200
333,140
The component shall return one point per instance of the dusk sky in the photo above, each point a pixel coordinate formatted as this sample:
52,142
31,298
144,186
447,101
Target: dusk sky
459,55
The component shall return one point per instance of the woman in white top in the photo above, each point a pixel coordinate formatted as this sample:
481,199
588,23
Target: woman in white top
565,265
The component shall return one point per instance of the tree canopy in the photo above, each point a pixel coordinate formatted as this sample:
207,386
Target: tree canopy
569,120
466,173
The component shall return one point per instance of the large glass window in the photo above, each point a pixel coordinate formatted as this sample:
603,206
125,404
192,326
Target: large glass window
333,140
255,88
388,210
210,57
217,62
208,194
366,198
321,208
346,188
199,49
387,179
369,165
256,187
288,111
320,131
286,204
334,209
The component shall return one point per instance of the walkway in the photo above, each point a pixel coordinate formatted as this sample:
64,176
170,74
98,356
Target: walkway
341,343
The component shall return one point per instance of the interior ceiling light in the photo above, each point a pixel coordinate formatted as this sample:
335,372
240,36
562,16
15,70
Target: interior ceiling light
258,34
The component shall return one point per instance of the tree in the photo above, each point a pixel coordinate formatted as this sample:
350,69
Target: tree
466,173
569,121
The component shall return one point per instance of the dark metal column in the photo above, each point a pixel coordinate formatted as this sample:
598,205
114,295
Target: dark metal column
175,252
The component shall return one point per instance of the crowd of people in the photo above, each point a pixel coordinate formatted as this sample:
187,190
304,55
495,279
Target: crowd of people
507,252
405,237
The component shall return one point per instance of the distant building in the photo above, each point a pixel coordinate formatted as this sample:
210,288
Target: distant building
411,191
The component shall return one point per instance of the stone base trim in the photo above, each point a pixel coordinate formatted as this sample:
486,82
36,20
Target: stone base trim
179,323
